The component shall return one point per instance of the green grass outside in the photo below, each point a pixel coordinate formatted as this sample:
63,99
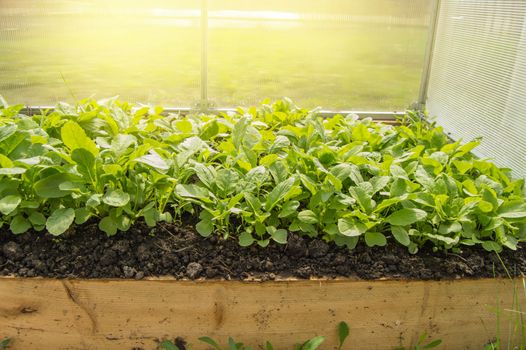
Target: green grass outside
334,65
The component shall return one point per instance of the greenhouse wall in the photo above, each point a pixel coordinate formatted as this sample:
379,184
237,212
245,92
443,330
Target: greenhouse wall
478,77
336,54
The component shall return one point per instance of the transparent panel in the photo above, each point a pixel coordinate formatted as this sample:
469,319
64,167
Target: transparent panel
478,77
338,54
146,51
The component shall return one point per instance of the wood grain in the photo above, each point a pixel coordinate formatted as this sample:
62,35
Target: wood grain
112,314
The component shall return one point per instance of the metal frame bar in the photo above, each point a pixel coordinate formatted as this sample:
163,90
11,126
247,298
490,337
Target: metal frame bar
431,38
376,115
203,102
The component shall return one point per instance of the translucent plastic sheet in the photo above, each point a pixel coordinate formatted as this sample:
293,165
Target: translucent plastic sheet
146,51
478,77
338,54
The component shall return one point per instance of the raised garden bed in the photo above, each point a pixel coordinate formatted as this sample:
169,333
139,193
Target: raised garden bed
367,210
120,314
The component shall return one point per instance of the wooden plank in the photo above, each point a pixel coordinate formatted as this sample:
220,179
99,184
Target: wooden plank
123,314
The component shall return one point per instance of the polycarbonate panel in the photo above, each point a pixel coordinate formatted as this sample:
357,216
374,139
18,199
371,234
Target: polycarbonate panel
338,54
147,51
478,77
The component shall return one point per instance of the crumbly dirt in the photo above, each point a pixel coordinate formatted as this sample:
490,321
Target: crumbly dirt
176,250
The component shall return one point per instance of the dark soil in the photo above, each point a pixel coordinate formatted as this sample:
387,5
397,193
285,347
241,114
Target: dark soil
170,250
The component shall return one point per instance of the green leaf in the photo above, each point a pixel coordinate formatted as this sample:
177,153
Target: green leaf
256,176
360,133
279,171
239,131
85,163
233,345
154,160
7,130
116,198
398,188
432,344
513,210
9,203
210,342
406,216
280,236
279,192
401,235
268,160
412,248
205,227
93,201
313,343
252,201
485,207
351,228
4,343
490,196
491,246
343,333
397,172
209,130
75,137
12,171
375,239
447,228
49,187
379,183
386,203
122,143
441,238
37,219
188,148
206,174
108,226
245,239
309,184
81,215
19,225
510,242
123,222
263,243
463,166
362,197
226,181
60,220
192,191
288,209
308,217
168,345
184,126
151,216
424,178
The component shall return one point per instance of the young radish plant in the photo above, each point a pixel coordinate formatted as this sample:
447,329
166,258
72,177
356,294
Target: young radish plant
254,175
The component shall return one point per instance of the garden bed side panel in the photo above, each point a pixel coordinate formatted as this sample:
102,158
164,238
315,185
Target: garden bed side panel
123,314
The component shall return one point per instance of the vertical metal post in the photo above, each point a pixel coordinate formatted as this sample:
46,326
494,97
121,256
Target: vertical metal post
431,37
203,102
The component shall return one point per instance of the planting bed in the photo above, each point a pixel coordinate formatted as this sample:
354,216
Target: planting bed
89,311
317,221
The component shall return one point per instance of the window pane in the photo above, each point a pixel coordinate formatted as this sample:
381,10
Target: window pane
146,51
339,54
